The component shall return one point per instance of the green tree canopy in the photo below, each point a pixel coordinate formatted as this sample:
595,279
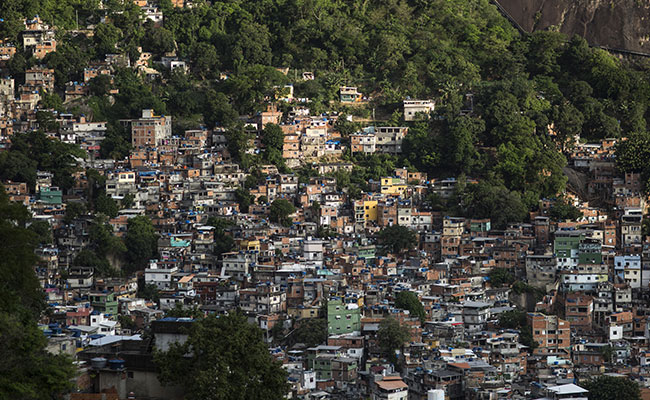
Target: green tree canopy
407,300
311,332
223,242
280,210
392,336
28,370
141,242
223,358
397,238
612,388
501,277
562,210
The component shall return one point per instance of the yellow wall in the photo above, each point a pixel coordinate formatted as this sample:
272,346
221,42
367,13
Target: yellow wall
370,210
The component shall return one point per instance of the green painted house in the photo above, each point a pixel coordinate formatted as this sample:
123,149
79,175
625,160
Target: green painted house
342,318
51,195
104,302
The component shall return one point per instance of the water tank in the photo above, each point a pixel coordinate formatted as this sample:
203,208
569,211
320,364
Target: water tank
437,394
116,363
98,362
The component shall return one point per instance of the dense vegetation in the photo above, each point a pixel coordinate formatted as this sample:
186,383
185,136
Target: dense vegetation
506,103
28,371
611,387
237,366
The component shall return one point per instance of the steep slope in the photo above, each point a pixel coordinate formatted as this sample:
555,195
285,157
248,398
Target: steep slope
615,24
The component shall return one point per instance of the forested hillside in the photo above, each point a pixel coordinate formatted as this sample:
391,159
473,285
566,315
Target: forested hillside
531,94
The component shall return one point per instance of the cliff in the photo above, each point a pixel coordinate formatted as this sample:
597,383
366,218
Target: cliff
614,24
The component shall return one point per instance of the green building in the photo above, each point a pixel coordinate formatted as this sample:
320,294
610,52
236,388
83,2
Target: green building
50,195
479,226
342,318
590,251
104,302
566,247
366,252
323,367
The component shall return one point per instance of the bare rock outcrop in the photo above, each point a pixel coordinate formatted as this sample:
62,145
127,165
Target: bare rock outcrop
614,24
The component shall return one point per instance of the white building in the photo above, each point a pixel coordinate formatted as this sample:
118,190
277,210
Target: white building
416,109
161,277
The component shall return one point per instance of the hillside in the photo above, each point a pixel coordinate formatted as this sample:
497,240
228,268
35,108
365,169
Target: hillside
617,24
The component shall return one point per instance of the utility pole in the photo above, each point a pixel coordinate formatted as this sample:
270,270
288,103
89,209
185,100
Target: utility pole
76,14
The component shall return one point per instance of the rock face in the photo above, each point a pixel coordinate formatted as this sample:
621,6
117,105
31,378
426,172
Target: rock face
615,24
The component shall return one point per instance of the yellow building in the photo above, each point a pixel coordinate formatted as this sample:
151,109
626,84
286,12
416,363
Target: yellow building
393,186
304,312
365,211
250,245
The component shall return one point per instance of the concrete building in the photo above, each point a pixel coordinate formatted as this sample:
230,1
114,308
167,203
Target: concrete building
342,318
150,130
416,109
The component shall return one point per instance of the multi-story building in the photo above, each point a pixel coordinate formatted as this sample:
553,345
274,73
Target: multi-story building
102,302
40,78
541,270
150,130
551,333
238,265
416,109
389,139
159,275
566,248
631,236
342,318
265,298
349,94
627,268
578,310
390,388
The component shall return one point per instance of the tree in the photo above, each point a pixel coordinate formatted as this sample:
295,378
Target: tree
100,85
180,311
127,201
107,206
223,358
407,300
243,198
103,241
149,292
280,211
218,110
607,352
28,370
311,332
392,337
141,242
562,210
273,141
514,319
496,202
632,154
158,40
397,238
106,37
517,319
46,121
101,267
117,142
223,242
43,230
74,210
500,277
612,388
